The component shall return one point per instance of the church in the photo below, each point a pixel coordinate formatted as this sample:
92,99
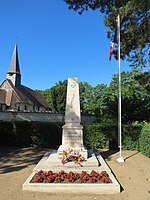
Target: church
16,97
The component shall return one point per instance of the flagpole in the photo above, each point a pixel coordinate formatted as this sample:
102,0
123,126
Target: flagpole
120,159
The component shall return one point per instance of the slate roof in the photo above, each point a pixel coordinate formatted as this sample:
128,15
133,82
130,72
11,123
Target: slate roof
25,95
14,64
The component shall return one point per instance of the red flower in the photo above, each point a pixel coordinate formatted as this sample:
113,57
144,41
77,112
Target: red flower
90,180
49,177
107,181
103,179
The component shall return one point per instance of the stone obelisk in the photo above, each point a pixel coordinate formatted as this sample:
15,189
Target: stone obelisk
72,136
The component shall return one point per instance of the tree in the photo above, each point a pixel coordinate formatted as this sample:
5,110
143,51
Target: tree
47,95
102,100
99,97
86,97
58,95
92,99
135,25
144,80
135,98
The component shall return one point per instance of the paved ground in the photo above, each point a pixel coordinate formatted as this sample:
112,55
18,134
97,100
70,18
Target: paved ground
17,164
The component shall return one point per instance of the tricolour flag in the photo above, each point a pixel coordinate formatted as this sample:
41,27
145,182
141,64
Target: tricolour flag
111,50
114,40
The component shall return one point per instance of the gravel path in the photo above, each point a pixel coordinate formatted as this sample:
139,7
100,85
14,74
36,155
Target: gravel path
17,164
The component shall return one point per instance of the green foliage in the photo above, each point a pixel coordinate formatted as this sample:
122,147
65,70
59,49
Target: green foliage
135,98
6,133
105,135
93,137
21,132
86,98
130,137
96,135
58,95
26,134
134,25
144,80
46,134
47,95
145,140
102,100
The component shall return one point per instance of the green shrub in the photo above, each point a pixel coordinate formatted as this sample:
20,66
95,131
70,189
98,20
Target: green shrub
46,134
130,136
6,135
26,134
95,136
145,140
104,135
22,133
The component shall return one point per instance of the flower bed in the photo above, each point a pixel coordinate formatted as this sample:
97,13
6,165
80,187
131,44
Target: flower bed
71,177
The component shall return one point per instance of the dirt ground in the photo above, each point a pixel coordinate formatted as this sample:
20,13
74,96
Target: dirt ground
17,164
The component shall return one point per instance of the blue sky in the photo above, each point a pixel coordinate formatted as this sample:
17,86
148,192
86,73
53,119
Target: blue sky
55,43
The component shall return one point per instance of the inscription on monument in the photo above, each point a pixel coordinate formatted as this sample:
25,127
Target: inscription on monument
73,138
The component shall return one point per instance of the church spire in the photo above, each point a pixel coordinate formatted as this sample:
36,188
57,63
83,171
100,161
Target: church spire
14,70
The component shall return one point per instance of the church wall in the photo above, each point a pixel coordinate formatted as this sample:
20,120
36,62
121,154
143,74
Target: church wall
43,117
26,108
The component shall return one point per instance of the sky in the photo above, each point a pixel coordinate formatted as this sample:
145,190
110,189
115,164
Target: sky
55,43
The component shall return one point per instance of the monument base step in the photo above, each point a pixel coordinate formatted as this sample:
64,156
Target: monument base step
50,161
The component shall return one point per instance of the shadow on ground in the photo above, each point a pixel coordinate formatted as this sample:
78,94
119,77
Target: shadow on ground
131,155
108,153
14,159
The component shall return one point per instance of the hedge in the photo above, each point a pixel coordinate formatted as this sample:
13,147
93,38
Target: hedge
144,140
96,135
106,136
26,134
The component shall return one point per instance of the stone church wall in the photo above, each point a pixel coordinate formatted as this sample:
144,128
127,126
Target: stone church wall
43,117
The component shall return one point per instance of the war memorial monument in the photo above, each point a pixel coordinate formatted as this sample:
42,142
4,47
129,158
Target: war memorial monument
72,149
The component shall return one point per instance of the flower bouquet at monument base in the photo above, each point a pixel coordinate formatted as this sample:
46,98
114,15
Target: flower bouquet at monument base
71,155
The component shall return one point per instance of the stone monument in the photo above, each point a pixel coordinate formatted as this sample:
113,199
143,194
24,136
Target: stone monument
72,136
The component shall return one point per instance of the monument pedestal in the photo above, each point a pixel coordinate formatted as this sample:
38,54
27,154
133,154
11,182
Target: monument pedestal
72,138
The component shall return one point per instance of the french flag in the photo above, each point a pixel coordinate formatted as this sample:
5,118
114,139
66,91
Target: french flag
111,50
114,40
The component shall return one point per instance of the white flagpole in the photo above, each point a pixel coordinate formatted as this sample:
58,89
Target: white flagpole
120,159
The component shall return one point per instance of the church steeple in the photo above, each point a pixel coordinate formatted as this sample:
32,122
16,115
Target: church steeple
14,70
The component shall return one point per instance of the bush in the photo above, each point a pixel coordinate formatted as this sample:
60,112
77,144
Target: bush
26,134
47,134
130,136
145,140
6,134
93,137
104,135
96,135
